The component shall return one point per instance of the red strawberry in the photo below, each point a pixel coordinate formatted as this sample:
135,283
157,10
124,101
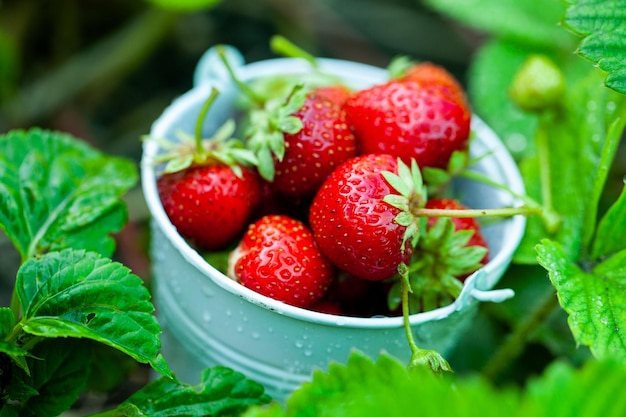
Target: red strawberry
205,187
210,204
314,151
279,258
336,93
460,223
427,72
410,119
353,225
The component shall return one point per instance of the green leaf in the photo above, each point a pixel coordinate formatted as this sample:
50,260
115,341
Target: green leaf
221,391
595,300
604,42
81,294
17,354
363,387
532,22
609,237
7,320
594,390
581,140
57,192
58,375
9,410
109,368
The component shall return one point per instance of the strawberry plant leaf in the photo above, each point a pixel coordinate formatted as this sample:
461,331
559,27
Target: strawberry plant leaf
581,140
363,387
58,192
74,293
9,410
384,387
221,391
593,390
58,375
609,237
7,320
594,298
604,36
516,20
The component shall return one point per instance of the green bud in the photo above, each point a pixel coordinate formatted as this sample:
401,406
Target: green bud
538,85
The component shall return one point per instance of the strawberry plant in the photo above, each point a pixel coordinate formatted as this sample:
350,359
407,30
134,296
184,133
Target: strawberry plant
73,308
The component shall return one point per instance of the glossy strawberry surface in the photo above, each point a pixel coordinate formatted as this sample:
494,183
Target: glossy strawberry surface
210,205
279,258
311,154
352,224
428,72
409,119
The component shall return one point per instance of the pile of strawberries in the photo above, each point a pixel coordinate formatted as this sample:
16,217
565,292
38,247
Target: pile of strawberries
321,197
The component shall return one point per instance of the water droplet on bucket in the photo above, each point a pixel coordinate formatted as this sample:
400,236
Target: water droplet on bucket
206,316
341,321
308,353
239,329
255,335
299,344
208,291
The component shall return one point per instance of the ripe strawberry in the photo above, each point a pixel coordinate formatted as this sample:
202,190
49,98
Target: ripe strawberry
427,72
312,153
279,258
210,204
410,119
336,93
206,188
460,223
322,141
353,224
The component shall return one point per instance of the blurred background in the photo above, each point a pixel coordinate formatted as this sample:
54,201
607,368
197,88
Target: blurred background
105,70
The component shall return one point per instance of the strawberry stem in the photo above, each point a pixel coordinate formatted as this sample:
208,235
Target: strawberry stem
200,120
419,357
283,46
551,217
465,213
245,88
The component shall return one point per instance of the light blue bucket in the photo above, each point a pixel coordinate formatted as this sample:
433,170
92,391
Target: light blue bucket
208,319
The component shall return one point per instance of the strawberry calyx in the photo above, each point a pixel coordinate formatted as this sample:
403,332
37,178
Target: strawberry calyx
190,151
420,358
268,125
412,195
439,179
399,65
440,260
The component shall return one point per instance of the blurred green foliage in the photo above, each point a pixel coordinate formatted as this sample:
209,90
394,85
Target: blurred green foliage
104,71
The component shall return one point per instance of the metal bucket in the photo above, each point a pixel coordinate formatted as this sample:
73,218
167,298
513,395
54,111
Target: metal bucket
208,319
